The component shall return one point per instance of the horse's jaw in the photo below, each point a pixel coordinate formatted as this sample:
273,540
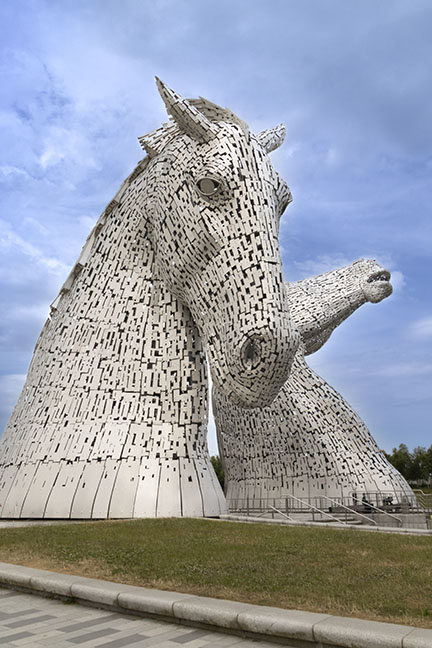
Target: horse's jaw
255,365
250,343
377,287
368,278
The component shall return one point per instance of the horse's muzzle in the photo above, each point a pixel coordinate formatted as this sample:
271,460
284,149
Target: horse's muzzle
258,365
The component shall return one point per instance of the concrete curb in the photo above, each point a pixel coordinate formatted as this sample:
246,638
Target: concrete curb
289,627
232,517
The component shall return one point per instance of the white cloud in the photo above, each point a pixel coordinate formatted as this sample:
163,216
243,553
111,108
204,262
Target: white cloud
28,220
405,369
333,156
9,240
10,388
39,311
398,280
322,263
291,149
88,222
422,328
63,144
10,171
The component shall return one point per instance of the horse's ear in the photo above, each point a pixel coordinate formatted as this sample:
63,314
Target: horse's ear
187,117
272,138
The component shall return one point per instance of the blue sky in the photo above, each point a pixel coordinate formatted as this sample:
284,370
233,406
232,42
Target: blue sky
350,79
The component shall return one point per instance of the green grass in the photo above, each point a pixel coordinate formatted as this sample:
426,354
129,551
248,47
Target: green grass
352,573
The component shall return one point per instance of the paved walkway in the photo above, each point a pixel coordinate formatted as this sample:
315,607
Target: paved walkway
28,620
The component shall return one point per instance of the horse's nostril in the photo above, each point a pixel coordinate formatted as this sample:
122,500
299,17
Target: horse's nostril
251,354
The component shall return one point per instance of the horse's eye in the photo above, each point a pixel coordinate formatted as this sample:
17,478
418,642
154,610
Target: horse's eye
208,186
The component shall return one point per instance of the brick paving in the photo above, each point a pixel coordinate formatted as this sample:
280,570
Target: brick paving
33,621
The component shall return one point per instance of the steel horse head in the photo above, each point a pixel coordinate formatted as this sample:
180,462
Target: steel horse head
213,204
112,419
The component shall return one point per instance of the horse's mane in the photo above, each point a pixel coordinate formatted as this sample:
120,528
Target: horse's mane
155,142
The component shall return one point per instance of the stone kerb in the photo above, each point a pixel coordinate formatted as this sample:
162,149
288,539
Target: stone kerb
293,628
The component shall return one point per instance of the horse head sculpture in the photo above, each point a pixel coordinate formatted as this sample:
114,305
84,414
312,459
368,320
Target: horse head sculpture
309,442
213,204
112,419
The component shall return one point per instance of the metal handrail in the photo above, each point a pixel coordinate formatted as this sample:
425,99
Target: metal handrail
350,509
316,509
311,507
383,512
424,499
402,496
273,508
281,513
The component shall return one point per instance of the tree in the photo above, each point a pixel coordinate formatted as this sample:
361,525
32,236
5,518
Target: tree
428,462
415,466
217,465
418,470
401,459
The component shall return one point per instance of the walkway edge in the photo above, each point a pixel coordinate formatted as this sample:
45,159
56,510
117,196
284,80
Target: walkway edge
289,627
249,519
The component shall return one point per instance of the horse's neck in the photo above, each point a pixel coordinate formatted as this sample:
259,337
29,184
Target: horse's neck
110,230
119,350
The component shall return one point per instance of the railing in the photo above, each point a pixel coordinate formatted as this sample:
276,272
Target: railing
382,511
347,508
398,501
251,508
404,503
271,509
424,499
314,508
281,513
359,504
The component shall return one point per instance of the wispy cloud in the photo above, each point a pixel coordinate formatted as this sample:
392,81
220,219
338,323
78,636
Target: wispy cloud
29,220
37,311
63,144
10,388
10,171
404,369
11,385
322,263
422,328
9,240
398,281
416,368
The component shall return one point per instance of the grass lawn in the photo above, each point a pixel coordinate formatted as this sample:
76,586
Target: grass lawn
349,573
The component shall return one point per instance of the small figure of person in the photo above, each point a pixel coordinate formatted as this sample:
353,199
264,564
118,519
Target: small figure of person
366,503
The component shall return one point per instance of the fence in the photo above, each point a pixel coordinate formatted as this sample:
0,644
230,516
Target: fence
357,504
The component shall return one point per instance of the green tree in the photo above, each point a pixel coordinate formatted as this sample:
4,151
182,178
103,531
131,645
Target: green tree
401,459
418,468
415,466
428,462
217,465
387,456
